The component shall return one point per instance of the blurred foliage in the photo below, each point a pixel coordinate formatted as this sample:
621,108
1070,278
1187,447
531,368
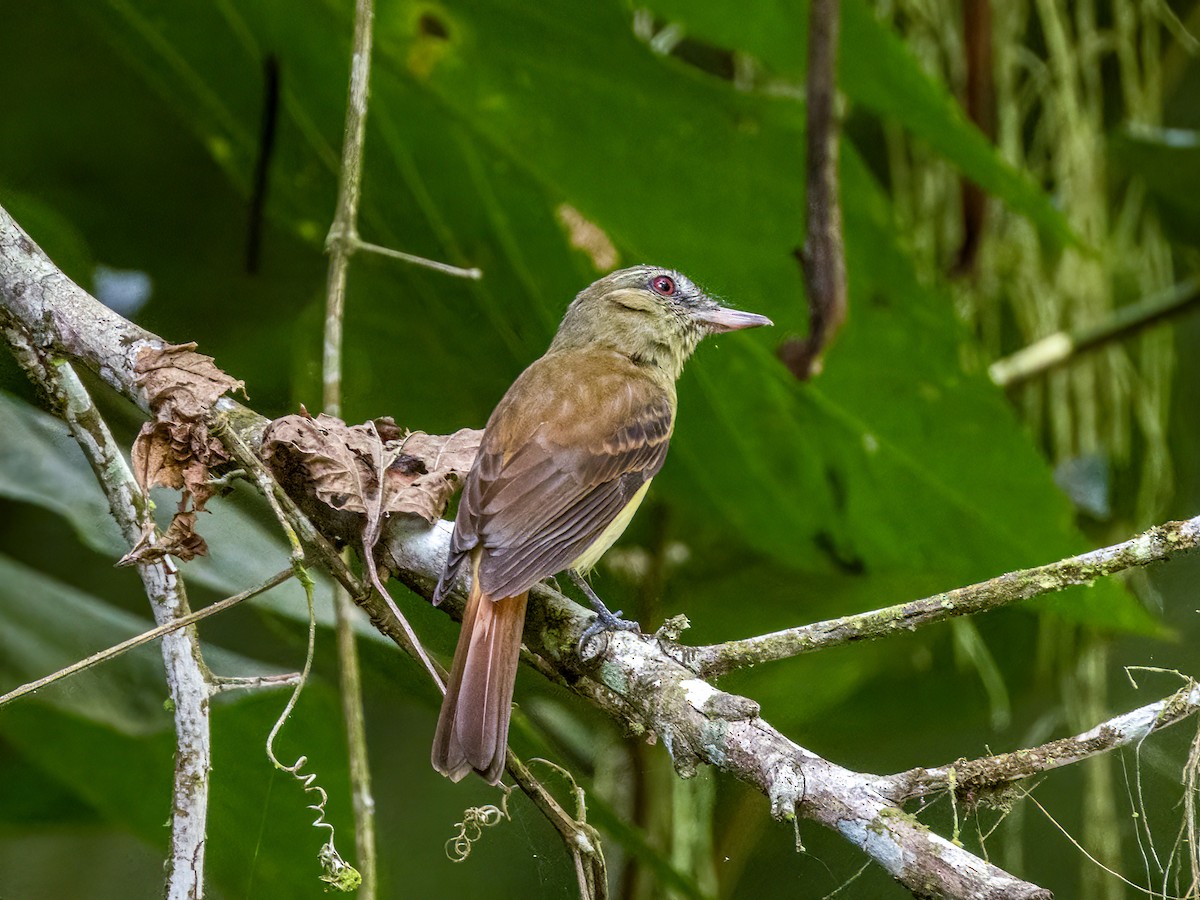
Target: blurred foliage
495,129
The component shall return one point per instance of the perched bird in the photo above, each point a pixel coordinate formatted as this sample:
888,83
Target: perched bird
565,460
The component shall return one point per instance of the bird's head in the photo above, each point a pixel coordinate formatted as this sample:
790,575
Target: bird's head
649,314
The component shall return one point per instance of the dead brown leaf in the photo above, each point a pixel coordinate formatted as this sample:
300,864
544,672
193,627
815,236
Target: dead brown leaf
181,541
175,450
589,237
428,470
179,383
340,465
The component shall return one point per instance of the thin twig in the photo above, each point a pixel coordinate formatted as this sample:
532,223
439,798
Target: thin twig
154,633
581,839
343,233
350,688
1062,346
823,258
339,874
974,777
1155,545
445,268
221,683
186,673
1028,795
344,230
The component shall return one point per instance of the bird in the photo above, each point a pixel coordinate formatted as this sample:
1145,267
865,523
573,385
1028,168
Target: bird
564,462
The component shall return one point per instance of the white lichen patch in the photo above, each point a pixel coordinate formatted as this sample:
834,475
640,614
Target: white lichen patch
697,693
786,789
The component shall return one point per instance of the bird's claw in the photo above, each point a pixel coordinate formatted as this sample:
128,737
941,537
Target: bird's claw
605,621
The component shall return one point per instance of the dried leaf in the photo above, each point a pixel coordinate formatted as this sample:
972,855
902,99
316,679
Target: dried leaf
181,541
179,383
175,450
428,471
589,237
339,465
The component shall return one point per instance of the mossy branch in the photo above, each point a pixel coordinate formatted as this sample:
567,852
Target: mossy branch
1155,545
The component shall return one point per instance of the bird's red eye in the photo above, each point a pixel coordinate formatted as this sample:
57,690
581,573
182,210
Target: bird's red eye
664,285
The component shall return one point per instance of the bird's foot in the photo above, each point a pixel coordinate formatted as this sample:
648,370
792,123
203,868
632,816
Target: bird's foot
606,620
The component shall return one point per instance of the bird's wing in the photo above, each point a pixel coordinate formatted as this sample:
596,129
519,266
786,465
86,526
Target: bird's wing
566,450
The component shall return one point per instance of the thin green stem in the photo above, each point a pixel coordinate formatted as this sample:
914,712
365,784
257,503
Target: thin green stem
343,235
145,637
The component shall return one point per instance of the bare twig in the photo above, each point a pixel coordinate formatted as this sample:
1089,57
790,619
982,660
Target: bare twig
185,669
823,258
153,634
970,779
342,234
218,684
473,273
350,687
1062,346
979,106
634,680
344,229
581,839
1155,545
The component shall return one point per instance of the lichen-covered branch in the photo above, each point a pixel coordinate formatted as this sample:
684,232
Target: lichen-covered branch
1155,545
187,675
57,316
973,778
641,685
634,679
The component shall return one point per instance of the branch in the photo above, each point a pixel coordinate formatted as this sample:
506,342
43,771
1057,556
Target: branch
970,779
473,273
344,230
217,682
651,694
1058,348
1157,544
58,316
187,675
345,224
823,258
634,680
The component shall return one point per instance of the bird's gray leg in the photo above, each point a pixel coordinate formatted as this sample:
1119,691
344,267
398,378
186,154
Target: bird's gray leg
605,620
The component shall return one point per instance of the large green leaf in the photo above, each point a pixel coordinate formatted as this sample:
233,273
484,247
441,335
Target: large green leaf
1167,160
896,460
877,70
42,464
46,625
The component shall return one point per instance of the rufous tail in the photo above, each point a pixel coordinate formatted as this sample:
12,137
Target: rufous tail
472,729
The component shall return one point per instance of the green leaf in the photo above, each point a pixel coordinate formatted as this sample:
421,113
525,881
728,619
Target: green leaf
878,70
1167,160
46,625
42,464
897,460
